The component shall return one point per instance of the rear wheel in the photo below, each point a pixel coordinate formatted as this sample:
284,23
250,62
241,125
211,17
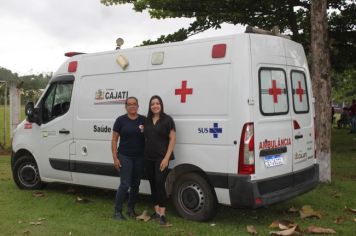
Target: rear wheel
26,174
194,198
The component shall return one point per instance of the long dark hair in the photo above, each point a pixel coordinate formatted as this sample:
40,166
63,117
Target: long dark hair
150,113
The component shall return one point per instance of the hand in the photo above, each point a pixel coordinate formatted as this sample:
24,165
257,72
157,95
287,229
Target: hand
164,164
117,164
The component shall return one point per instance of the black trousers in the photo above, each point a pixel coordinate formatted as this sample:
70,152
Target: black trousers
157,179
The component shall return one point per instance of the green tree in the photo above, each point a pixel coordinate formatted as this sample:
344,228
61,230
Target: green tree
343,86
291,16
5,76
31,85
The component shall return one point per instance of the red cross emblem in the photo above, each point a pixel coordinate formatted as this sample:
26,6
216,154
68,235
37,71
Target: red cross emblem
299,91
274,91
184,91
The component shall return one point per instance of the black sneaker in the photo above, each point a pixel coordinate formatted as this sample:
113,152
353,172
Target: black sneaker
119,216
131,213
155,216
163,221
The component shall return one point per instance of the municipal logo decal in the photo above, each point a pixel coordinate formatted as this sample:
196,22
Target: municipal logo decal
110,96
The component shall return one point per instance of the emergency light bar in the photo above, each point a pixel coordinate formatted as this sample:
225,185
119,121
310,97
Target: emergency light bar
71,54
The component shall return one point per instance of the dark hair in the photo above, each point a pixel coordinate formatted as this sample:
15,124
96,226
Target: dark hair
132,97
149,113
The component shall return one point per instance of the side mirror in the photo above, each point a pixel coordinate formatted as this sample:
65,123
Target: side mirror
31,113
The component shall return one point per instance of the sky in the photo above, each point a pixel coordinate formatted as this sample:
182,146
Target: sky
35,34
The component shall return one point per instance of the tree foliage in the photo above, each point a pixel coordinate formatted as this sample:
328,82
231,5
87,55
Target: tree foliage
31,85
291,16
344,86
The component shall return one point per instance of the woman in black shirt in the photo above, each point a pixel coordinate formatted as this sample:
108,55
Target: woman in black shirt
160,137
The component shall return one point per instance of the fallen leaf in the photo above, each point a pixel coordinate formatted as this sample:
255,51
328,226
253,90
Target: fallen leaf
143,216
189,234
251,229
82,200
307,211
212,224
41,219
319,230
355,220
293,209
166,225
70,233
283,227
27,232
350,209
36,223
20,222
38,194
291,231
339,220
276,223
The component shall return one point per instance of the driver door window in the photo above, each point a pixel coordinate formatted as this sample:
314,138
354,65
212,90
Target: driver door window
57,101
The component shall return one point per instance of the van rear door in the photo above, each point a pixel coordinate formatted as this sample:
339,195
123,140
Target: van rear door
271,111
303,137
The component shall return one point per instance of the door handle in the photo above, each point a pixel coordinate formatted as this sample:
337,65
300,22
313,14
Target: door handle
298,136
64,131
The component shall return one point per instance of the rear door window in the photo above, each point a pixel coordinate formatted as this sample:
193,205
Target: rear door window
299,91
273,91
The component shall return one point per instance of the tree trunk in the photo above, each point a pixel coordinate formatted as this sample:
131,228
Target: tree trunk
320,71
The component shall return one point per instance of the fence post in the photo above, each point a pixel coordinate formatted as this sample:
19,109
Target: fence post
5,109
5,103
14,106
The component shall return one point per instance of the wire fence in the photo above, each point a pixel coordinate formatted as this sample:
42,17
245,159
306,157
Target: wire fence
5,130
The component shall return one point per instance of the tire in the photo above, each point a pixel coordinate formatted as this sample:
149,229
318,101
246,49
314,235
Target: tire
194,198
26,174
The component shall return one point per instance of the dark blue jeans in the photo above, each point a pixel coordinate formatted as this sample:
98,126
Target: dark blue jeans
130,177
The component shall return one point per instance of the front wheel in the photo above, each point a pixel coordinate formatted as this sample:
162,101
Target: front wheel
194,198
26,174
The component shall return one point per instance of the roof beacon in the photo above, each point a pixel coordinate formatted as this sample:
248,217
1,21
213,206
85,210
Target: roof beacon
275,31
119,43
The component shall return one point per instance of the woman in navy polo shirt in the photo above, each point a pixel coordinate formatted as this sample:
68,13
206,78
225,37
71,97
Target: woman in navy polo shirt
128,157
160,137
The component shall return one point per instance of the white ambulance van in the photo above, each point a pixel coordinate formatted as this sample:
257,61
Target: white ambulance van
242,104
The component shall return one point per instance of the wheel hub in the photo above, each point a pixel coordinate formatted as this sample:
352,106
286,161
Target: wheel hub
28,175
192,197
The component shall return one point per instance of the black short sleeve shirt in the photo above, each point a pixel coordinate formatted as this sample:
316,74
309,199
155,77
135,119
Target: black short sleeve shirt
132,140
157,138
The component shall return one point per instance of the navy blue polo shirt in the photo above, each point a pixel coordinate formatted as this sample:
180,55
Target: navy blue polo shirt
132,140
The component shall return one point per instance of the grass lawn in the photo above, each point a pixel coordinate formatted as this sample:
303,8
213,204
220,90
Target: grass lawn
64,216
